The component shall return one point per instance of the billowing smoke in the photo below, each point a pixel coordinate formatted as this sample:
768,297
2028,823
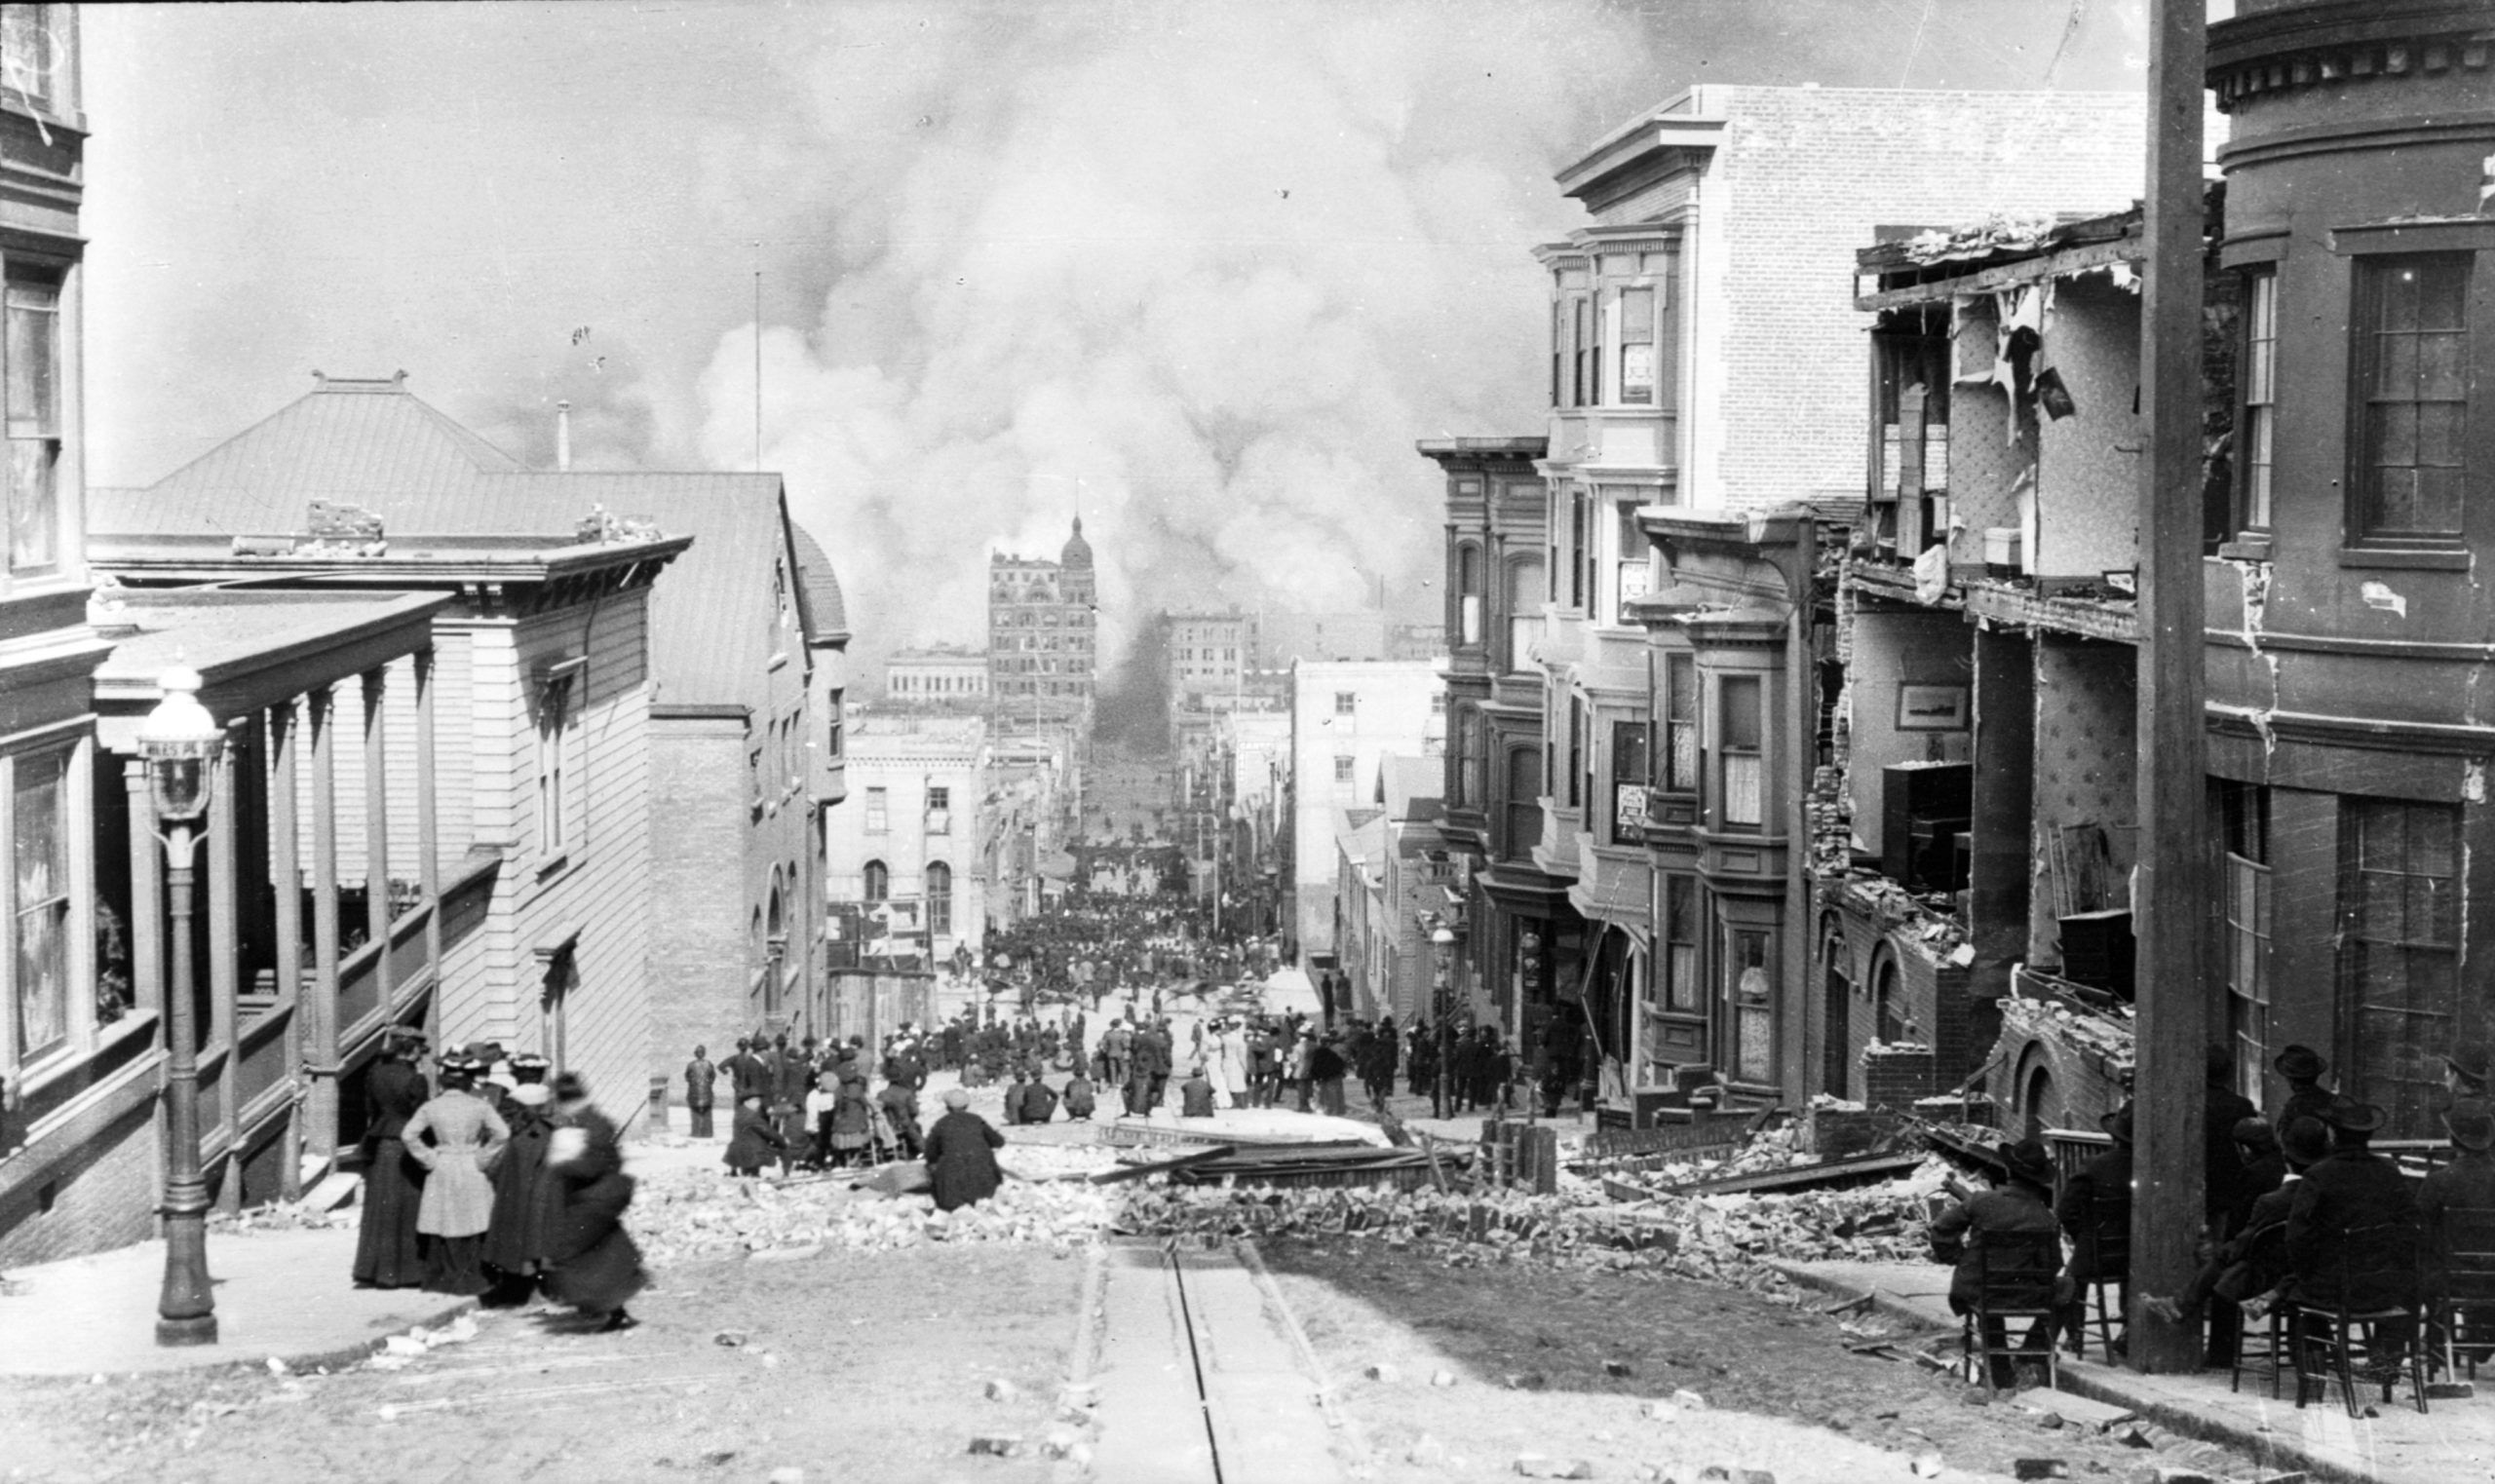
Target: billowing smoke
1203,279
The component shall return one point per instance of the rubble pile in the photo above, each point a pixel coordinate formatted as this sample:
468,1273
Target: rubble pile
709,1216
1720,1238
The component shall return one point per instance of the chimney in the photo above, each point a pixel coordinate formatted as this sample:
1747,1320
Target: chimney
563,435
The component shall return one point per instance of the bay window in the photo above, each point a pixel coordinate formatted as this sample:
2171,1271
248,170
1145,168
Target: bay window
1742,804
31,345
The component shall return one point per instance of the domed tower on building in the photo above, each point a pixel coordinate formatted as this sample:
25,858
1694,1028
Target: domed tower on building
1042,632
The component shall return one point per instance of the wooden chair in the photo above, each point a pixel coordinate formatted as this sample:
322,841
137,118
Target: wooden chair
2463,1314
2015,1277
2271,1358
2326,1340
2111,1269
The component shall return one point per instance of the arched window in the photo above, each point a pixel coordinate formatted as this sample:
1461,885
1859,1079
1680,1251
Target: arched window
879,880
939,898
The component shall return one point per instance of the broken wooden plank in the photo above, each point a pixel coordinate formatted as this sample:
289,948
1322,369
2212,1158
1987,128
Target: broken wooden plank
1125,1172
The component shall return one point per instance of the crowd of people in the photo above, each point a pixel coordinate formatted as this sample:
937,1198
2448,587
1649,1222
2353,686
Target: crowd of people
488,1179
2298,1209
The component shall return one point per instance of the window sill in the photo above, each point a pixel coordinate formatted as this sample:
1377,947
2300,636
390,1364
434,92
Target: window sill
2435,560
2250,546
552,866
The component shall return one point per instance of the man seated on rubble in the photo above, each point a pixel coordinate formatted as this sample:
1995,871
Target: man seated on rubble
2014,1221
1195,1095
2352,1231
2095,1211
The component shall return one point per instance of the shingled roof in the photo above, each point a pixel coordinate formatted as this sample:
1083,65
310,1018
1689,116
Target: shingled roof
826,613
374,444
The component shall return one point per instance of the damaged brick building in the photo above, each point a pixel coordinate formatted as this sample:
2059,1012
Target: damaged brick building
1974,896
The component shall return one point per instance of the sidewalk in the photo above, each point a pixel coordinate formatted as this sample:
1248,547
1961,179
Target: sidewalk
2454,1440
286,1294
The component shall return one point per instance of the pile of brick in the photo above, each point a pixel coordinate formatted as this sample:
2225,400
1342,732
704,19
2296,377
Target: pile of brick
709,1216
1721,1237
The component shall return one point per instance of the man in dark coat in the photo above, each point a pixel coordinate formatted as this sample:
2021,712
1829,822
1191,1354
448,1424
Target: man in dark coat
2225,1188
2253,1261
2307,1098
789,1078
1326,1069
1039,1100
1195,1095
2466,1184
1079,1098
701,1082
899,1101
2095,1212
746,1076
386,1254
2013,1219
2355,1212
961,1155
1012,1110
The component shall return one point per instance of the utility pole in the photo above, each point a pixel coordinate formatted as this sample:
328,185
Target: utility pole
2170,890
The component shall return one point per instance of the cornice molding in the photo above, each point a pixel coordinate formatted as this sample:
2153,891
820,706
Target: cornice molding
2345,41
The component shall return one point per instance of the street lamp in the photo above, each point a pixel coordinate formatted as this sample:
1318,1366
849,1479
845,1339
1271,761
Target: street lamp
179,741
1442,946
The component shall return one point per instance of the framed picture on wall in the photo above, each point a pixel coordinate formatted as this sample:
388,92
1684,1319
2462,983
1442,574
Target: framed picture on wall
1931,707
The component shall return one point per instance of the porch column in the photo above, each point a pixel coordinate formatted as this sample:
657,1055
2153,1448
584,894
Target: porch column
146,893
223,951
286,877
376,840
428,843
319,1009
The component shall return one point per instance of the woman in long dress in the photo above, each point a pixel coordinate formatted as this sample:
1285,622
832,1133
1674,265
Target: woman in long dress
519,1237
387,1253
456,1137
597,1267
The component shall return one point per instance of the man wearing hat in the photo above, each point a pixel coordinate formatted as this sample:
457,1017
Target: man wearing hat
701,1080
2466,1184
2466,1071
2302,1067
2017,1212
2253,1261
2096,1210
2354,1213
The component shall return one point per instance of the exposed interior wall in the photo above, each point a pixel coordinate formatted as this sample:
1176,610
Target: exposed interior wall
1893,648
2087,755
2088,464
2004,801
1987,464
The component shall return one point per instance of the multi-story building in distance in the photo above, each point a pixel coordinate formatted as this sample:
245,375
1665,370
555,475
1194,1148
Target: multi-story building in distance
1042,632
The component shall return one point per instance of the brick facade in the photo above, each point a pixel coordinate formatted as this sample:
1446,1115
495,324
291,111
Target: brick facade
1806,175
700,995
101,1195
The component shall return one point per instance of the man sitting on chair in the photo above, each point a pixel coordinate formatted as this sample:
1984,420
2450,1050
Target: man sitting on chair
2465,1185
2352,1233
2095,1209
2015,1219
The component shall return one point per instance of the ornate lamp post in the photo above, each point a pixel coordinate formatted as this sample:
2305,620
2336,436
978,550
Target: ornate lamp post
1442,946
179,741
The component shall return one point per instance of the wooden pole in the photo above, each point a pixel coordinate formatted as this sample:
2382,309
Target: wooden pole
2172,886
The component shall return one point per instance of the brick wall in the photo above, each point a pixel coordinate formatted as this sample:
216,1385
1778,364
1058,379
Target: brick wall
2084,1062
1897,1077
1806,175
698,789
104,1197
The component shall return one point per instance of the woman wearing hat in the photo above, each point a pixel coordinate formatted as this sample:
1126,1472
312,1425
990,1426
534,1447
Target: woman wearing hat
387,1253
961,1155
456,1137
519,1237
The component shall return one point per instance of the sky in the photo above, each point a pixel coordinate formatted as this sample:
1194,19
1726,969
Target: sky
1200,272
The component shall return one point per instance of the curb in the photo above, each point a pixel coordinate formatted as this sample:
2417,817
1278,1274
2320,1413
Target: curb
2103,1383
336,1357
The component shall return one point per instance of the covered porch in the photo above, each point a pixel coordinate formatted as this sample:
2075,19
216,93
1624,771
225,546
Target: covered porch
320,917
